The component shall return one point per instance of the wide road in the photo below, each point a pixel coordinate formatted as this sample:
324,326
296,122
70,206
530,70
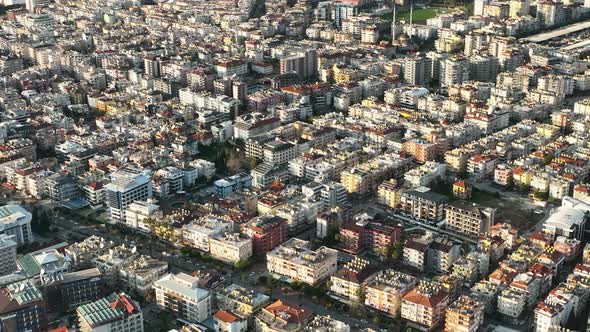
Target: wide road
541,37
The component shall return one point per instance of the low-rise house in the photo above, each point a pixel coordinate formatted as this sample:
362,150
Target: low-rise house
282,317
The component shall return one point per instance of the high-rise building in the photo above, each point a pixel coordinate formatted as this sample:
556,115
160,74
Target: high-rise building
152,66
116,312
479,7
454,70
475,41
127,186
302,61
370,35
417,70
483,68
7,254
15,220
181,295
342,11
550,12
519,8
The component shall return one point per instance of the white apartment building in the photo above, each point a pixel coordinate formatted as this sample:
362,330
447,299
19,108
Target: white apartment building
555,311
425,174
180,295
198,233
127,186
15,220
137,213
141,274
115,259
512,302
296,261
230,247
325,324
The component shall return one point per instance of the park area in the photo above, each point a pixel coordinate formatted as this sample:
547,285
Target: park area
421,14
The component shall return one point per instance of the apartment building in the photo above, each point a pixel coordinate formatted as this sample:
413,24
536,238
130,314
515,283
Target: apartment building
231,184
326,323
469,219
416,252
481,165
385,290
230,247
365,233
555,311
181,295
7,254
23,307
16,221
512,302
423,204
389,194
141,274
424,306
138,212
82,253
348,283
74,289
442,253
464,315
116,312
266,232
295,260
198,233
127,186
240,300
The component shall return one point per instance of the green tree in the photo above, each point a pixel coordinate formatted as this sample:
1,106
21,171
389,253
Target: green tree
398,250
242,264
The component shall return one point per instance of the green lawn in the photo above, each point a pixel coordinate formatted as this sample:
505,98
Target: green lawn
420,14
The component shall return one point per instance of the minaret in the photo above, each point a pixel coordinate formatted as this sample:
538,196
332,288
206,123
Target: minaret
411,17
393,25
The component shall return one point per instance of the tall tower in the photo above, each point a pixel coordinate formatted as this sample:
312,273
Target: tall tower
411,18
393,24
